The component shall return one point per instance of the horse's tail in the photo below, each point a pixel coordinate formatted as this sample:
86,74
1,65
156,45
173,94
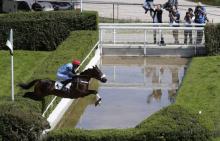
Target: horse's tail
28,85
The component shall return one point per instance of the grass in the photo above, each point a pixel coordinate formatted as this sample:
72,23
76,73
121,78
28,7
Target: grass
25,63
216,139
77,46
200,91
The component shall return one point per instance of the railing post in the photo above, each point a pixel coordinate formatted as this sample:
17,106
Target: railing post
160,36
114,34
81,6
113,12
145,41
195,49
100,40
145,37
100,35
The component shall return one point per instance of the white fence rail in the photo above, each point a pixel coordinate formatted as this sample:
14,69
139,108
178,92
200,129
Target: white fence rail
147,24
151,34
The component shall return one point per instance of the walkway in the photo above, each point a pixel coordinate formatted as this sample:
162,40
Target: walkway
136,12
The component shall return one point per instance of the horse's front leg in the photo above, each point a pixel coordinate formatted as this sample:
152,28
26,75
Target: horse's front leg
98,99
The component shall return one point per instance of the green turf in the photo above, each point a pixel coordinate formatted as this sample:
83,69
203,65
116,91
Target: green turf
216,139
200,91
25,62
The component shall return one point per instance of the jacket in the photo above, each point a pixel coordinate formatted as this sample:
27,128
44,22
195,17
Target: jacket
67,69
200,15
157,16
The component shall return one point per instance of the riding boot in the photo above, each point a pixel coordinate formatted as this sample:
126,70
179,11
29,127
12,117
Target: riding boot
65,82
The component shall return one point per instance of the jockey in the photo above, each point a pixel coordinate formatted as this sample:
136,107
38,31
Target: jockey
66,72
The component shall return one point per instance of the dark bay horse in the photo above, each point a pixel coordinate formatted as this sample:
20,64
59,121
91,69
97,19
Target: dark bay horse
78,88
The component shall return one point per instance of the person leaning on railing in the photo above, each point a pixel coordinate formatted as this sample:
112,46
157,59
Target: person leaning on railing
188,21
174,16
200,18
157,18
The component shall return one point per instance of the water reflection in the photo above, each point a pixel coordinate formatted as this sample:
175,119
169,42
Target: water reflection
163,79
168,78
137,87
73,115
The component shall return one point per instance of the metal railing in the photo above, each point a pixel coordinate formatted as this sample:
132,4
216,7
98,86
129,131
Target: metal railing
151,34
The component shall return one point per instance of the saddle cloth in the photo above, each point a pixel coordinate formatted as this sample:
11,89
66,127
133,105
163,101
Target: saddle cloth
59,85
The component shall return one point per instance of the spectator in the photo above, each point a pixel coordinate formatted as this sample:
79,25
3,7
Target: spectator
200,18
170,4
148,5
157,18
174,16
190,10
188,20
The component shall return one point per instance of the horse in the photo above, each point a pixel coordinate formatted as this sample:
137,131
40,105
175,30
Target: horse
78,88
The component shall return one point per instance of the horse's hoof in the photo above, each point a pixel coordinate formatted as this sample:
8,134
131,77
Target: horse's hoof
98,102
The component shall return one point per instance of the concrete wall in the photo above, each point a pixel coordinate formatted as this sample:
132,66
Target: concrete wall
181,51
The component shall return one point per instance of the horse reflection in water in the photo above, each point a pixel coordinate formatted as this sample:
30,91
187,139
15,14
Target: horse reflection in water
79,86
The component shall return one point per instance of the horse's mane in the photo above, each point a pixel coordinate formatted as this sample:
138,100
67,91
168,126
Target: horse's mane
87,71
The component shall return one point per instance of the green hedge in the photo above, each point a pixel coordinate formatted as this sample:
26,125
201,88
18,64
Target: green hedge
212,38
172,123
44,30
17,123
